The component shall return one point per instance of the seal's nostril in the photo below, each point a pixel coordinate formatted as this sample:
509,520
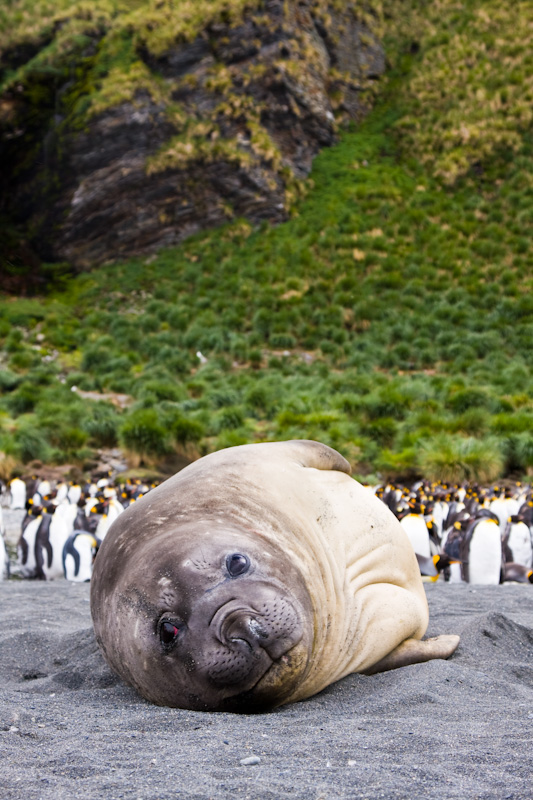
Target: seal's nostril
241,640
242,627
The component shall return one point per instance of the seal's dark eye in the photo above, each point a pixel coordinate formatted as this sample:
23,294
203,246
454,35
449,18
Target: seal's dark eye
236,564
168,632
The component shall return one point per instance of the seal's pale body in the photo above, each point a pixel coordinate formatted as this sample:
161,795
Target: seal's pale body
351,595
360,570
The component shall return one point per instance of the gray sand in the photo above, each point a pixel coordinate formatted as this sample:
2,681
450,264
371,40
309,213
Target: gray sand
448,729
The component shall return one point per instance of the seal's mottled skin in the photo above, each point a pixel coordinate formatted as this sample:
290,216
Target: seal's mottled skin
332,587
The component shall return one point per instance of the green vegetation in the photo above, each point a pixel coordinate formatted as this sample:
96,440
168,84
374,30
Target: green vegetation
391,317
470,100
155,23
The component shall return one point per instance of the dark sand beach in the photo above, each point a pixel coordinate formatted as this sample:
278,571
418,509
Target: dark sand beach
447,729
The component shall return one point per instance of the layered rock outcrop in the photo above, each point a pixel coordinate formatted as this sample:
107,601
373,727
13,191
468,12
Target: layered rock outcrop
219,127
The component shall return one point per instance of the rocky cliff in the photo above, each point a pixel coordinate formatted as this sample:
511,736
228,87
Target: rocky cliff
116,143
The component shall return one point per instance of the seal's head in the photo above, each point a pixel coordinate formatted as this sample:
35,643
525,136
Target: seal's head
202,616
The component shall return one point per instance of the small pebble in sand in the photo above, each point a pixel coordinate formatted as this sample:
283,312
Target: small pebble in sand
248,762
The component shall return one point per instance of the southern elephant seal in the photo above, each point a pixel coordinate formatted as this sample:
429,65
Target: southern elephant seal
257,576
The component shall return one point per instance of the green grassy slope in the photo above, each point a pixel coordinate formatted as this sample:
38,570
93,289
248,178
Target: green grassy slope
391,317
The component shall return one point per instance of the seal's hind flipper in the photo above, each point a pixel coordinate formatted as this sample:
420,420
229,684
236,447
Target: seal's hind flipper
316,455
416,651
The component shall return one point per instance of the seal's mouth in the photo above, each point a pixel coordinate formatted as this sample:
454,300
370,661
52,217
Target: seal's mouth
272,687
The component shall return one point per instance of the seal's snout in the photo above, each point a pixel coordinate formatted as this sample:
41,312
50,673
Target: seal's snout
234,623
245,627
260,630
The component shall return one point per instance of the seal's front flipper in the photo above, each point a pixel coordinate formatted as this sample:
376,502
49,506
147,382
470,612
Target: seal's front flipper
415,651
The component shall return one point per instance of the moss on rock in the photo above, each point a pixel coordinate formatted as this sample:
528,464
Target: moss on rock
114,115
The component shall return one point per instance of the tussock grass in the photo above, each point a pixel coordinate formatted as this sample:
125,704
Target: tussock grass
390,317
470,97
451,458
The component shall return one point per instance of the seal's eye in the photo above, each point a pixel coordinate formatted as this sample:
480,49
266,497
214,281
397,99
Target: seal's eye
237,564
168,632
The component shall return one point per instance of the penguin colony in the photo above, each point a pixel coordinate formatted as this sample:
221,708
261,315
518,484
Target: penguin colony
467,533
459,534
64,525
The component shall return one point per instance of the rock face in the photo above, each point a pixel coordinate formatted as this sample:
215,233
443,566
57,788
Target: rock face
239,114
